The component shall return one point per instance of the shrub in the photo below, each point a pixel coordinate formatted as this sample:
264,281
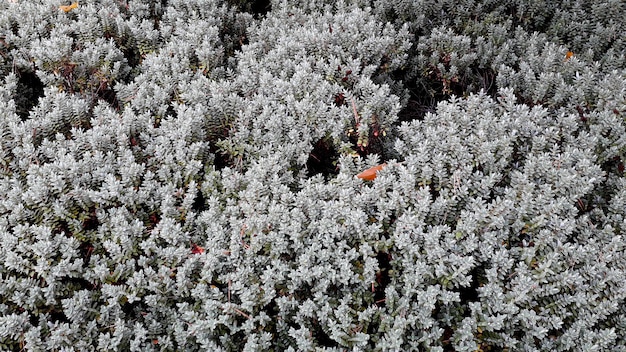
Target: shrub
180,175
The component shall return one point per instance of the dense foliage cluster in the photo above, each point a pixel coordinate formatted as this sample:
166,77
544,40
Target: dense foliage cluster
180,175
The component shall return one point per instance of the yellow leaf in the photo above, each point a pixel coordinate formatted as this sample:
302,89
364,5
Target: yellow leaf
68,8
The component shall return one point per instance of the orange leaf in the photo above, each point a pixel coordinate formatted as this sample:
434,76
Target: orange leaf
68,8
195,249
370,173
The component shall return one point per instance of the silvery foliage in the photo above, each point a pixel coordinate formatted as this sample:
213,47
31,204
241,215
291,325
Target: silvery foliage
513,186
97,203
290,84
181,215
